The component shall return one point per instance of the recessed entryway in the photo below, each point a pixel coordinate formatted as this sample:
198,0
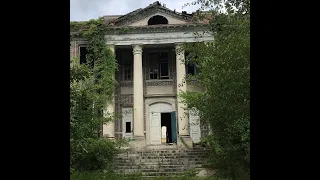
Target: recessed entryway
169,122
162,124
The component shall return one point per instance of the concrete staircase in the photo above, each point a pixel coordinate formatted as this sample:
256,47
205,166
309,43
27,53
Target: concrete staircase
160,162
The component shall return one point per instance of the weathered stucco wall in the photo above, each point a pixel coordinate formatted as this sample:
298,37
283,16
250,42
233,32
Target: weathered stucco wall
159,90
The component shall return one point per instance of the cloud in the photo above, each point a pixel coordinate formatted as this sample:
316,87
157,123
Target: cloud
83,10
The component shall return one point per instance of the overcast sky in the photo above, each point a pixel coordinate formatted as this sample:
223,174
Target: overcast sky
83,10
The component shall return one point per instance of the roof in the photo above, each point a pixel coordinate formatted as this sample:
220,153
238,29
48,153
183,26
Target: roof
140,13
115,21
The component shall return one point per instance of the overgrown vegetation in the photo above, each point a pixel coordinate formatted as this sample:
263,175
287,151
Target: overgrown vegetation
91,90
112,176
225,78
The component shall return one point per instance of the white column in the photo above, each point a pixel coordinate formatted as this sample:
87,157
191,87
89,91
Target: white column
108,129
137,92
181,87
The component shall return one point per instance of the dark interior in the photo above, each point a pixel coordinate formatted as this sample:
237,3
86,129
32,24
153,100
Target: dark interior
166,121
83,53
157,20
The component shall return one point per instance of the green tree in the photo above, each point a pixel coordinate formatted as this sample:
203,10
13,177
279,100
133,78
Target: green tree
225,77
91,90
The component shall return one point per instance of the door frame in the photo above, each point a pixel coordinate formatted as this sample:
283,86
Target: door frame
170,107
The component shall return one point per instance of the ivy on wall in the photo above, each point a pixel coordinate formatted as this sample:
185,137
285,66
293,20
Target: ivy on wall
100,56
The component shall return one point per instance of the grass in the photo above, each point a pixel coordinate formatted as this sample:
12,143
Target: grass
112,176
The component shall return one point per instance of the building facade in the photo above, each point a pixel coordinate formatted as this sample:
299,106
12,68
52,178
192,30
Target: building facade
147,44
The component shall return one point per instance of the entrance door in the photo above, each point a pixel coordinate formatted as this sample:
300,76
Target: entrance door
155,128
127,122
194,123
174,126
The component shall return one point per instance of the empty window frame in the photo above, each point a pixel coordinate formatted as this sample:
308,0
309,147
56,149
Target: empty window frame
164,65
158,65
83,54
128,127
127,66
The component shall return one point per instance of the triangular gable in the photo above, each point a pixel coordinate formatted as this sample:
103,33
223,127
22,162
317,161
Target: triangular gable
139,16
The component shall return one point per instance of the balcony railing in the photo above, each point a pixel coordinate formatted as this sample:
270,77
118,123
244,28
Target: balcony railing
126,84
161,82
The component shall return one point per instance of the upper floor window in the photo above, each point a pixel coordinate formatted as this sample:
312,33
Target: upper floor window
154,20
127,70
191,67
158,65
127,66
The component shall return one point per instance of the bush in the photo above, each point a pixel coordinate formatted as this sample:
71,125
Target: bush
96,175
92,154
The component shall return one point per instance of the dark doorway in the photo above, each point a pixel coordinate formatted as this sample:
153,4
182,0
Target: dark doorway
166,121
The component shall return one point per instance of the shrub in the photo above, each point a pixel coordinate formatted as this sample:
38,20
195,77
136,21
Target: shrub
92,154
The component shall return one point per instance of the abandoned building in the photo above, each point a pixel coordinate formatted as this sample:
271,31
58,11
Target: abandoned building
150,75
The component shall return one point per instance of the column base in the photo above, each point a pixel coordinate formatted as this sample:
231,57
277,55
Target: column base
185,141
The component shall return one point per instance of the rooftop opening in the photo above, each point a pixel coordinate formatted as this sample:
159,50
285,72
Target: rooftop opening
157,20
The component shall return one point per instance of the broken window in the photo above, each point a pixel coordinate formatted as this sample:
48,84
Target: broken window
127,66
164,66
127,71
153,66
158,65
191,67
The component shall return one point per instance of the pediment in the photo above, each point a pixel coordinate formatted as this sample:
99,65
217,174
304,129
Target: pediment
140,17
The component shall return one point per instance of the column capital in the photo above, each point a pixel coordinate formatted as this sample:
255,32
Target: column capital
137,49
178,45
112,47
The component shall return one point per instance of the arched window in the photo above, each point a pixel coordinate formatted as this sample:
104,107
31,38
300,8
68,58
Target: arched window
157,20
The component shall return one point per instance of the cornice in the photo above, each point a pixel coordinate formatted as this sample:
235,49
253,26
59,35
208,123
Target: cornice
156,29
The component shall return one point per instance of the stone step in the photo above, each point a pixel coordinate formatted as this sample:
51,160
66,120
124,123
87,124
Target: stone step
167,151
139,161
161,157
181,169
157,163
167,154
158,155
155,169
155,174
158,160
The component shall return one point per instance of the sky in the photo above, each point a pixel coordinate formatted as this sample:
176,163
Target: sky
83,10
